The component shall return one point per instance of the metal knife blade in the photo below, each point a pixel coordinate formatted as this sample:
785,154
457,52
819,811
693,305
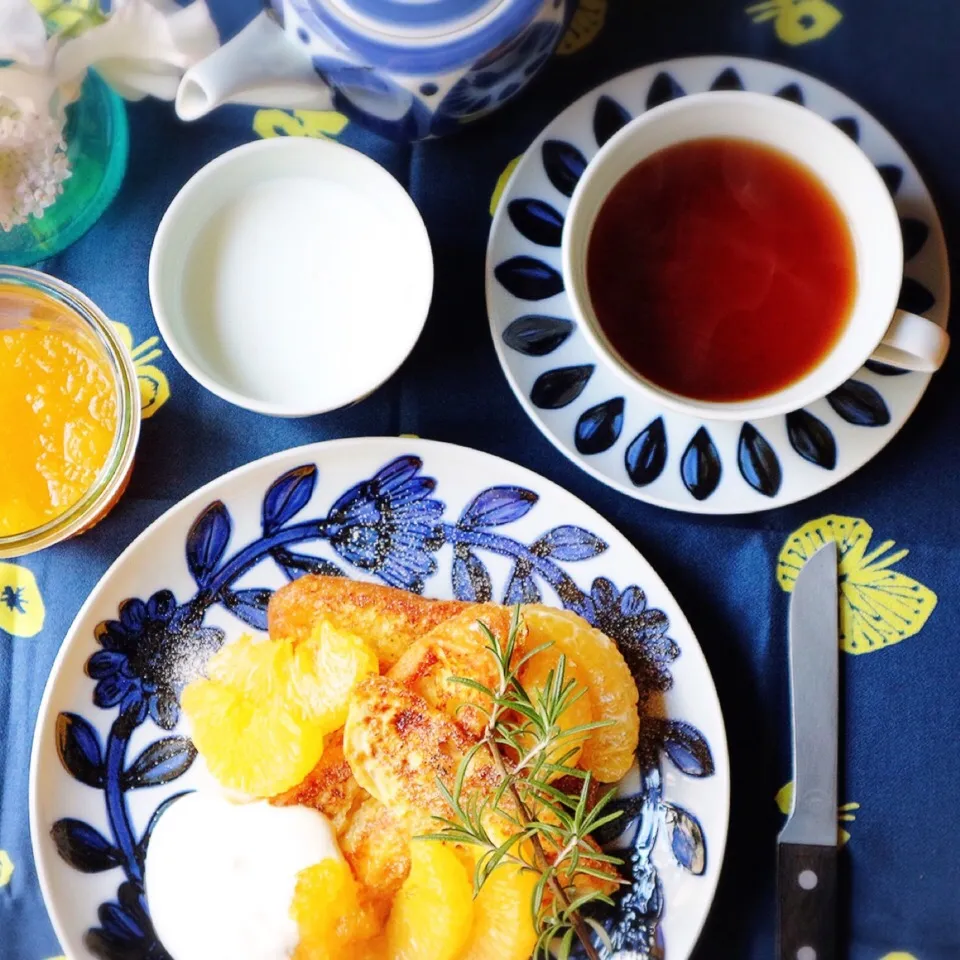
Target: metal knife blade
814,668
807,849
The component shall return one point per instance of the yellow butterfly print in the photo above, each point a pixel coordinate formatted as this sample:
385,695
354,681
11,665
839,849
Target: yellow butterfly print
299,123
502,184
6,868
154,388
845,813
21,606
585,26
797,21
899,955
878,605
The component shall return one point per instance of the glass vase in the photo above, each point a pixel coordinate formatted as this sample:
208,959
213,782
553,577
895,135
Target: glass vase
97,138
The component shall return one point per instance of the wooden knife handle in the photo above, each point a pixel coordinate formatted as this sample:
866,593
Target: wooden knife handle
807,902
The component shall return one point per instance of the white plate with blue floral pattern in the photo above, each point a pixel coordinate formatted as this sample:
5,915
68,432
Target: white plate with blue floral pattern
620,435
110,749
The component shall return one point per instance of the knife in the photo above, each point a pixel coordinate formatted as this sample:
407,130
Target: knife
807,847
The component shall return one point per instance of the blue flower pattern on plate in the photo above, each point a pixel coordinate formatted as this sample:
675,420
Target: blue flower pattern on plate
390,526
148,656
597,427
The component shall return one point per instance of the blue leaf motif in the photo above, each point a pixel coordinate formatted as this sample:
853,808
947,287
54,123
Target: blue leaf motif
663,88
892,176
686,747
497,506
297,564
119,922
812,439
608,117
249,605
537,221
885,369
123,934
599,428
564,165
164,760
535,335
757,461
915,233
686,838
700,467
858,403
471,581
557,388
568,543
915,297
78,746
791,92
521,588
83,847
529,278
287,496
646,455
207,541
849,126
629,807
729,79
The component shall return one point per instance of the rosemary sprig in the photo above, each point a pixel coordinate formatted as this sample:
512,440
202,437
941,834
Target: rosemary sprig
546,830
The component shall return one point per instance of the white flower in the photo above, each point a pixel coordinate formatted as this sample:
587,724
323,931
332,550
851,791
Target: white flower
23,37
143,48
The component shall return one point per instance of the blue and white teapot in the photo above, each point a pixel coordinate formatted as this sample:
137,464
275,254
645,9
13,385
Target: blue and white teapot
407,69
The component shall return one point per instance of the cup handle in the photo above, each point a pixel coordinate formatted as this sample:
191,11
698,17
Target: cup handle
913,343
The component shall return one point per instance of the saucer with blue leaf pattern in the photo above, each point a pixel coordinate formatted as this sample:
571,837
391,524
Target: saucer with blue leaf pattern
619,434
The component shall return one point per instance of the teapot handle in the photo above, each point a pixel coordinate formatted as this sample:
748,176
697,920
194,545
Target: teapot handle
259,66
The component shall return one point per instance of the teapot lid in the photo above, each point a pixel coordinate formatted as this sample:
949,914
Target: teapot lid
408,28
426,18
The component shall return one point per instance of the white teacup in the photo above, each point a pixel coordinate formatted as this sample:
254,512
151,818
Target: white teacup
875,328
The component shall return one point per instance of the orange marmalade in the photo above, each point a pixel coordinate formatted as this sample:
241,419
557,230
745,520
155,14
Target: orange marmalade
58,409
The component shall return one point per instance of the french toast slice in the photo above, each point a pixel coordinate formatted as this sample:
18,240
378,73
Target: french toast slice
386,618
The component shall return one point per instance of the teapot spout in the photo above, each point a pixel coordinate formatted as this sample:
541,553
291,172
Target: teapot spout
259,66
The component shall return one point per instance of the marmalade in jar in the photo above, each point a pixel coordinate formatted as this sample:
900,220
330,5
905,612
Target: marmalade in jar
58,409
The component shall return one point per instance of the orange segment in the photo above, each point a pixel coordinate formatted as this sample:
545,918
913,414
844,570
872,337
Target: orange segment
334,921
327,666
432,914
609,752
502,922
254,737
250,665
535,675
260,716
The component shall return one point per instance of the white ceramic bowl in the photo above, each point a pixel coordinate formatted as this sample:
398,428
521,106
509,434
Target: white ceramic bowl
291,276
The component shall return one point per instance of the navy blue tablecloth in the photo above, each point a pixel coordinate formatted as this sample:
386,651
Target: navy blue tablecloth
900,862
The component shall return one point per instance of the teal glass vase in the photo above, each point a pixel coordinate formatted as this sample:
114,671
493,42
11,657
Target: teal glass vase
97,138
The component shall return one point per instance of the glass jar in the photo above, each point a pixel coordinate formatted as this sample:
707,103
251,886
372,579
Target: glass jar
85,318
